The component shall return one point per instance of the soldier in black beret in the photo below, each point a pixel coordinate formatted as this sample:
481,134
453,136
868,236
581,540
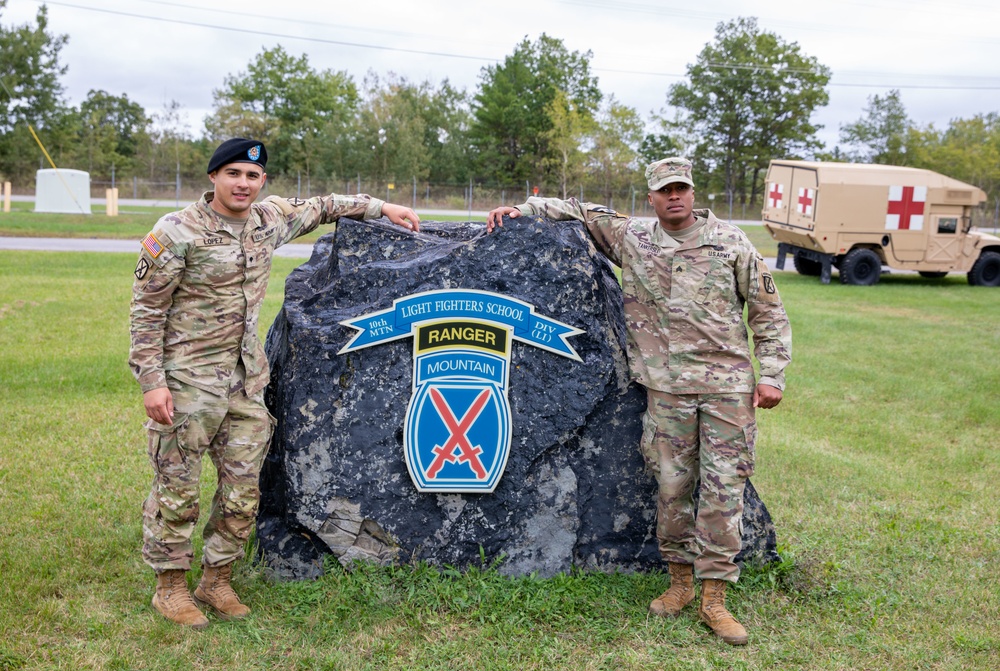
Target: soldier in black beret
238,150
199,283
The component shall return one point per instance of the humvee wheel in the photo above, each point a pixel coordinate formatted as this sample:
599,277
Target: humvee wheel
985,271
932,274
806,266
861,267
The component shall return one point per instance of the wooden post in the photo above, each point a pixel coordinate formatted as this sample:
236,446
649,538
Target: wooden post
111,202
6,196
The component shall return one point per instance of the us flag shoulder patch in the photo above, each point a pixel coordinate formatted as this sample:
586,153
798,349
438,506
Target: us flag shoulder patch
152,245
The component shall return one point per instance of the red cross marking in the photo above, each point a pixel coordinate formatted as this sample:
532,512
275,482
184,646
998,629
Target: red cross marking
906,208
467,453
805,200
777,190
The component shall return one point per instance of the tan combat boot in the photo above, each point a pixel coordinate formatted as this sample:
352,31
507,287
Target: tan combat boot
713,613
174,602
214,590
680,593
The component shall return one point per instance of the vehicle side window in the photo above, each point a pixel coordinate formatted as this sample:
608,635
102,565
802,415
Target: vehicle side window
947,224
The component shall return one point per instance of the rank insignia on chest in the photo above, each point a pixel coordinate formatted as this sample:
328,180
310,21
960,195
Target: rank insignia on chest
457,430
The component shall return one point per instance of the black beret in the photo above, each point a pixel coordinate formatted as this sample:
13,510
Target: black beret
238,150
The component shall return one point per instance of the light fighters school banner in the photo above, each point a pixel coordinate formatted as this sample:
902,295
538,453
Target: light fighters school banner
457,432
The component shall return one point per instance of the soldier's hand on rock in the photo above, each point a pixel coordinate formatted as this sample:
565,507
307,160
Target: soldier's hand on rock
495,217
765,396
159,405
401,216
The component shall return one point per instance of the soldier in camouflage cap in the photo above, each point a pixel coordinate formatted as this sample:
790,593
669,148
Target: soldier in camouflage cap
686,278
667,171
199,283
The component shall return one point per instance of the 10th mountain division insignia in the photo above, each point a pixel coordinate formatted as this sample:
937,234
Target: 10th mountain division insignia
457,430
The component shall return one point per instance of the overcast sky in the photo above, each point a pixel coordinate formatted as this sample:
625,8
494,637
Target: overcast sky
944,57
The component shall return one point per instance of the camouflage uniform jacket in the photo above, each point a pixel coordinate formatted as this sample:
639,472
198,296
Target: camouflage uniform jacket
684,303
199,285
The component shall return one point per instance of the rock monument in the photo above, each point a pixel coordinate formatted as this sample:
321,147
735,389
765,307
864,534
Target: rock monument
575,490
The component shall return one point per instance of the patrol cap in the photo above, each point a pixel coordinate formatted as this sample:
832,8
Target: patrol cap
668,170
238,150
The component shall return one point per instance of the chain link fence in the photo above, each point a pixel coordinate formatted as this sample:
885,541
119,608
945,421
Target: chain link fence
472,197
420,195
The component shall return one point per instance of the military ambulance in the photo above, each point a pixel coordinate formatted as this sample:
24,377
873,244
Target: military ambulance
860,217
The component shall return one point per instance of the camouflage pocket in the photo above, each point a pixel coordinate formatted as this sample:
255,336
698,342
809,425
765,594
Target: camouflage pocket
748,451
717,286
647,445
166,446
180,420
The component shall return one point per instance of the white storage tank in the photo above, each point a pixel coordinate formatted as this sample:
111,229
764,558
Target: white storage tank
63,190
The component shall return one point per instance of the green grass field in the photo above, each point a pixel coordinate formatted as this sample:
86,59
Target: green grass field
880,469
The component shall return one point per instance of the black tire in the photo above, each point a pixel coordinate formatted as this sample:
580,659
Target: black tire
932,274
861,267
986,270
806,266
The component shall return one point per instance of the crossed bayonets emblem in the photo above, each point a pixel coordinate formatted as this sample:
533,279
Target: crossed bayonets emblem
466,452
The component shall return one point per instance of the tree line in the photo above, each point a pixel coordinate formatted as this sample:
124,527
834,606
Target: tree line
537,118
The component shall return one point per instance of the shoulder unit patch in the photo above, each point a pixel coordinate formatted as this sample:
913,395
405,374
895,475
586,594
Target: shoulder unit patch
767,292
141,268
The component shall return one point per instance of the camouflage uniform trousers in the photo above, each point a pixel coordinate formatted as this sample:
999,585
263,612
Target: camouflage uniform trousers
710,437
235,430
